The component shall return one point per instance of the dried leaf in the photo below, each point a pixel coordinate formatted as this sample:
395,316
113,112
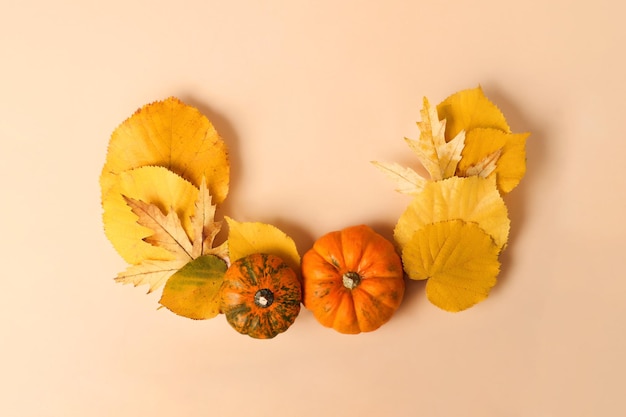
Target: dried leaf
485,167
248,238
510,166
204,226
471,199
469,109
407,181
459,260
193,291
153,273
151,185
167,230
172,135
438,156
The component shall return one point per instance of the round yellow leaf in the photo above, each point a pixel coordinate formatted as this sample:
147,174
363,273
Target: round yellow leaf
459,260
193,291
152,185
469,109
248,238
510,166
173,135
471,199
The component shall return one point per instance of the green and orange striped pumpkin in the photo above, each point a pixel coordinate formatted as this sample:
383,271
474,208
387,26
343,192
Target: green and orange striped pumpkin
260,295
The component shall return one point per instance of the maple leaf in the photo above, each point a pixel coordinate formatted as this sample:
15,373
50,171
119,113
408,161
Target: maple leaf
439,157
168,233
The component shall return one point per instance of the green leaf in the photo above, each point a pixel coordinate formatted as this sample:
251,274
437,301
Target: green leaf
193,291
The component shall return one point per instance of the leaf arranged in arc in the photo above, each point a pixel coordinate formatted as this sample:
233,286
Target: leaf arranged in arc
247,238
153,273
167,230
193,291
438,156
471,199
406,179
173,135
469,109
459,260
510,164
152,185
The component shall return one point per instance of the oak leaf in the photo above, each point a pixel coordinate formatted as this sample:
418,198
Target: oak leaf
153,185
168,234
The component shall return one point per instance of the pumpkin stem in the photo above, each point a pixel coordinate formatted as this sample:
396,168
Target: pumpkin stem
263,298
351,280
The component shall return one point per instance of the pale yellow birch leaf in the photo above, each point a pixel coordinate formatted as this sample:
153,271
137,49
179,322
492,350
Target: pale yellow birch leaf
407,180
471,199
173,135
248,238
151,185
481,143
469,109
459,260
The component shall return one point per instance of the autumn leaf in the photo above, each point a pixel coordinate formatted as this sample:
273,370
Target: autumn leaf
173,135
459,260
151,272
193,291
469,109
438,156
487,131
151,185
406,179
167,229
168,234
509,167
248,238
471,199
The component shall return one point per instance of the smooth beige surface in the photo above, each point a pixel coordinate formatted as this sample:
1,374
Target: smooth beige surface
306,93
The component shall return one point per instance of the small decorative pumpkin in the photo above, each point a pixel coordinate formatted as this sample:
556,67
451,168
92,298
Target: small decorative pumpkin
353,280
260,295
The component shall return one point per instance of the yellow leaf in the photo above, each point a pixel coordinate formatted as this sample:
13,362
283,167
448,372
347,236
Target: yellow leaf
205,228
469,109
167,230
438,156
510,166
407,181
172,135
193,291
249,238
151,185
459,260
485,167
153,273
471,199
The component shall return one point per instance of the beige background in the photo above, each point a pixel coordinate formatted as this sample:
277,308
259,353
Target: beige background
305,94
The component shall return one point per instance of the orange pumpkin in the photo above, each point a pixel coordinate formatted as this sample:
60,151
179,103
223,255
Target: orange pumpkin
260,295
353,280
